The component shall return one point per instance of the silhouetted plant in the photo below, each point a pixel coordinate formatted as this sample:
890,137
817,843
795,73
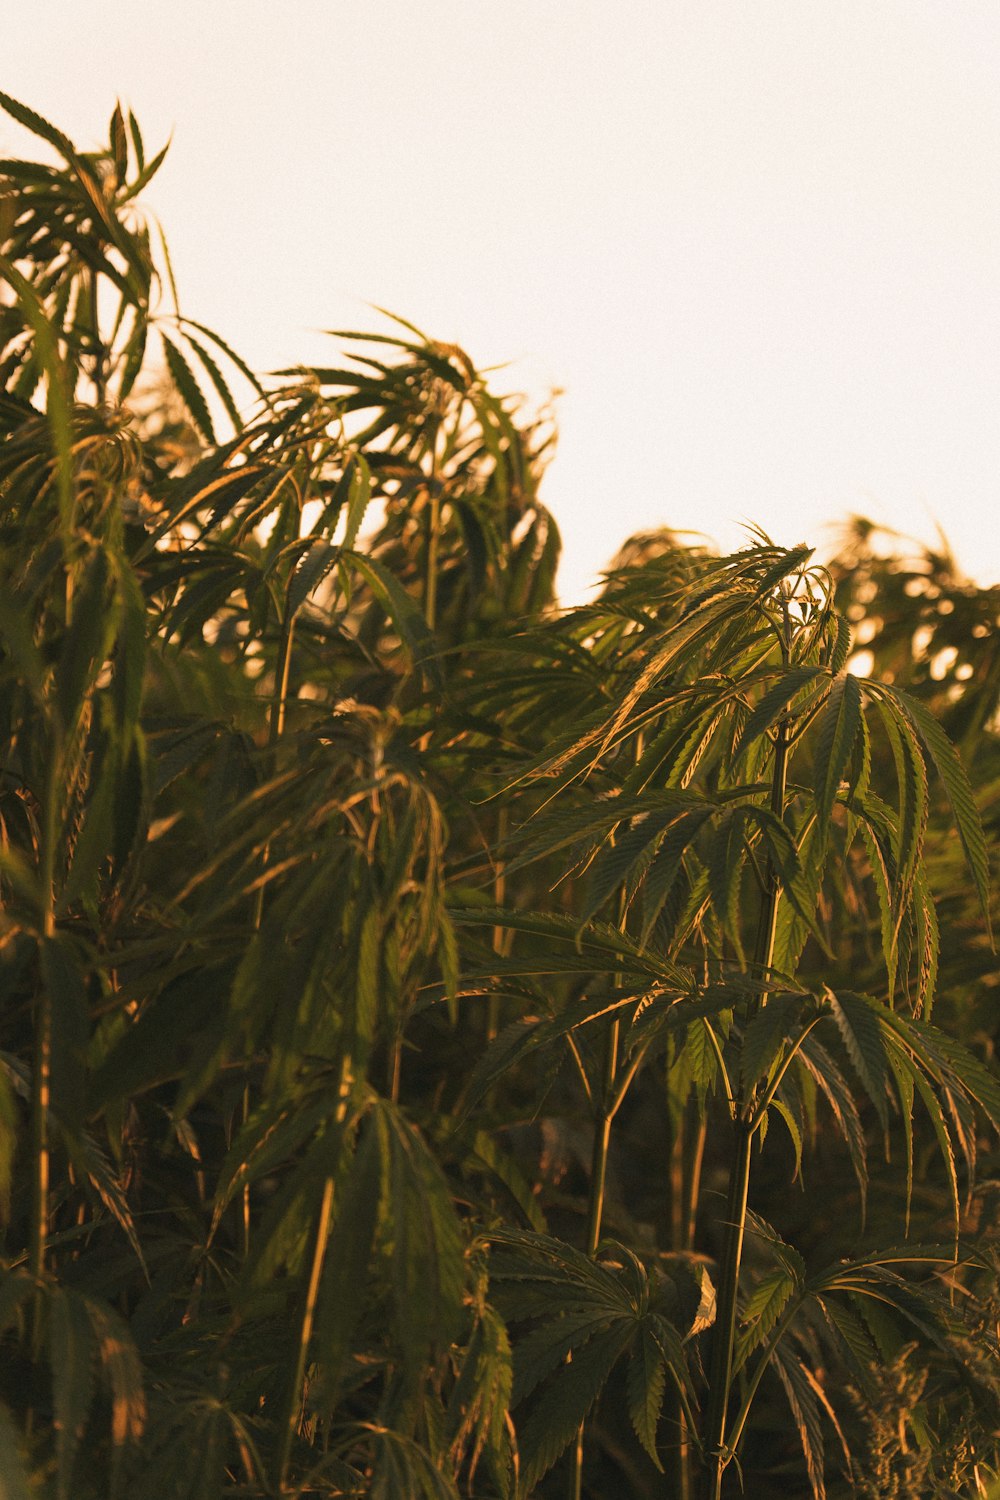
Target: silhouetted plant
399,972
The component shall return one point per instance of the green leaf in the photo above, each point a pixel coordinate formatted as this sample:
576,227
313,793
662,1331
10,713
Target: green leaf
794,1131
911,777
767,1031
725,874
841,649
93,845
121,1370
368,990
57,403
543,1351
761,1312
146,173
941,1131
902,1070
92,1166
402,610
645,1387
349,1251
555,1419
618,859
838,730
667,863
428,1265
858,1021
119,143
956,783
876,834
39,126
87,639
136,134
800,1392
775,703
217,378
927,942
188,388
19,643
831,1083
316,562
72,1352
358,497
229,352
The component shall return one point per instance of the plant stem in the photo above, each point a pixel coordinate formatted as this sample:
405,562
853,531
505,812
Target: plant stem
293,1396
676,1456
100,353
40,1101
275,729
501,935
603,1117
605,1113
42,1086
430,586
721,1375
433,530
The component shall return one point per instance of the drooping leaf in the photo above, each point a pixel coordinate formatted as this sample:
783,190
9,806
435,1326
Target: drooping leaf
645,1387
801,1396
956,782
838,730
775,703
188,388
857,1019
348,1255
555,1419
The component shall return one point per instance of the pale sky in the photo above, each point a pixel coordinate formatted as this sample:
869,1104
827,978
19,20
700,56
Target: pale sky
756,244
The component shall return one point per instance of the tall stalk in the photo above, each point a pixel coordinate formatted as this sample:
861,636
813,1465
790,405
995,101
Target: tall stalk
433,530
501,935
606,1106
607,1101
293,1394
685,1153
745,1124
42,1066
275,729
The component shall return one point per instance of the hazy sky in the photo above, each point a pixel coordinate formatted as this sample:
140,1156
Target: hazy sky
756,244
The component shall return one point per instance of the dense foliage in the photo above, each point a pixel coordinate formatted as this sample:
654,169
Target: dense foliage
450,1045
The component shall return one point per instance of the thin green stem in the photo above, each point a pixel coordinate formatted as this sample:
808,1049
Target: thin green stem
100,354
40,1102
275,729
721,1375
282,671
765,1359
501,935
723,1070
604,1115
42,1083
676,1454
430,584
433,526
625,1079
606,1109
293,1395
764,1104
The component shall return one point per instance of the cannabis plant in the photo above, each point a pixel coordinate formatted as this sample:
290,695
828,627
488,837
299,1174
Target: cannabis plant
448,1045
755,811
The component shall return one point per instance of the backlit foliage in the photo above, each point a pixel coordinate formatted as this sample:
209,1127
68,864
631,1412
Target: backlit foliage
453,1046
